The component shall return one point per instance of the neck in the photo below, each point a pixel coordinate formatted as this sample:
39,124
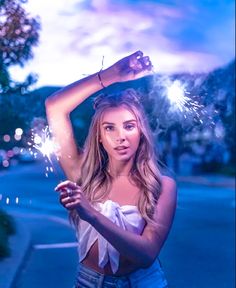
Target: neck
118,168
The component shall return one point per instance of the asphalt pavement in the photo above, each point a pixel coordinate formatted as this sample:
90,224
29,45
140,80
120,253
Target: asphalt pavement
199,252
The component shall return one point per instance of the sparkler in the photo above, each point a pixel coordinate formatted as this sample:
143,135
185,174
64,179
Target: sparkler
177,97
175,104
181,102
42,142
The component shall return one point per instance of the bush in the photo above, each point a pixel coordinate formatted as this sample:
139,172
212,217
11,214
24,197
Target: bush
7,228
4,247
228,170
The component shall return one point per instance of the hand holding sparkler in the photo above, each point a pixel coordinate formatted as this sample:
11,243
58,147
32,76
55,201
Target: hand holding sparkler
72,197
129,68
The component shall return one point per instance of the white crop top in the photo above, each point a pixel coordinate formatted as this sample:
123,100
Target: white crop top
127,217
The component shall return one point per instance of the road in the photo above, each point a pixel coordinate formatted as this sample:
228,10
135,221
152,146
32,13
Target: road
29,195
199,252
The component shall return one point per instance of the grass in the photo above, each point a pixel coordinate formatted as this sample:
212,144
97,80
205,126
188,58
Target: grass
7,228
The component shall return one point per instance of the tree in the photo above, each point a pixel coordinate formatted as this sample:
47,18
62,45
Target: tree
18,34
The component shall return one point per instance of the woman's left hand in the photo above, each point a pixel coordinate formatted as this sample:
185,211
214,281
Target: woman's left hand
129,68
72,197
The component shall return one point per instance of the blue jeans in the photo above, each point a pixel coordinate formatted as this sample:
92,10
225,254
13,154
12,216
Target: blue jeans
152,277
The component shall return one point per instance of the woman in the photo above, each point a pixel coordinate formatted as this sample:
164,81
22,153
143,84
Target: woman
121,205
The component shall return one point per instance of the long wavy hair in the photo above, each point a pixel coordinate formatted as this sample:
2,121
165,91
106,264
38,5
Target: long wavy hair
95,179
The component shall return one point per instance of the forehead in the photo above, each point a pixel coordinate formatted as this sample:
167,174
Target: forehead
117,114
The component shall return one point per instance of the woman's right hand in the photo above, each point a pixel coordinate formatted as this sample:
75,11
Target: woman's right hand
72,197
131,67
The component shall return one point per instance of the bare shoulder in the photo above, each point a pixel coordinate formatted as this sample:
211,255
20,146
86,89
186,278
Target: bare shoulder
169,186
166,180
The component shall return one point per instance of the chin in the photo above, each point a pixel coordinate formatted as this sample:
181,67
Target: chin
124,157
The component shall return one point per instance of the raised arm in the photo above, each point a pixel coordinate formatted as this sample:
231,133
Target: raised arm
63,102
58,109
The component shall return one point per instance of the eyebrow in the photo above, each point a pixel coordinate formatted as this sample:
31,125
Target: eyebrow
125,122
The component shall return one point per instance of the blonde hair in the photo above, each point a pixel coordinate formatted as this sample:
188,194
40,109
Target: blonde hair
95,179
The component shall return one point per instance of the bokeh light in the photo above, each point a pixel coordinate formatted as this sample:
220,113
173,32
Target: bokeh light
18,131
6,138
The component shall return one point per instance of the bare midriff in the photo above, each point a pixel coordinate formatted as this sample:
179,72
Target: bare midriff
131,196
91,261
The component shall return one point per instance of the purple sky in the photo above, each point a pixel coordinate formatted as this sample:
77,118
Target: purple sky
192,36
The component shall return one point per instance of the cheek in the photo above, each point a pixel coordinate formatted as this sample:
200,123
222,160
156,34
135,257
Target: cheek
106,141
135,138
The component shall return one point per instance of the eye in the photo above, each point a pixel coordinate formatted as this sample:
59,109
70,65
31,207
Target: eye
129,126
109,128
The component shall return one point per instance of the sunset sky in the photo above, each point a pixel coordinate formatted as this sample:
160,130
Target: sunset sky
192,36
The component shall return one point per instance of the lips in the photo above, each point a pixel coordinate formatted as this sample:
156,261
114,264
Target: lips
120,148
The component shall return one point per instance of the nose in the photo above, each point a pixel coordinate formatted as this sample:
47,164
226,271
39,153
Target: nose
120,136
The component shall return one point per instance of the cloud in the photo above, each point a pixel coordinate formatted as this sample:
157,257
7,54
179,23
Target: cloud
197,36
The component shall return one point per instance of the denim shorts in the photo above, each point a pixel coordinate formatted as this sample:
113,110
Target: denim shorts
152,277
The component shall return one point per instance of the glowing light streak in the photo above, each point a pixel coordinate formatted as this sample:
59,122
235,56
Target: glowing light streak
42,142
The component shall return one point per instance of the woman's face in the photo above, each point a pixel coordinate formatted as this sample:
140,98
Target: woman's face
120,134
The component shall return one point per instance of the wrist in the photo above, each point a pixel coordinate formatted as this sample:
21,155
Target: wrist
106,77
93,216
100,79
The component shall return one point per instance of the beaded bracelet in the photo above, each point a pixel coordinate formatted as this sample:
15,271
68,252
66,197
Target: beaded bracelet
100,79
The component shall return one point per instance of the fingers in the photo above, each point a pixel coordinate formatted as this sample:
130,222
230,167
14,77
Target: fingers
70,200
138,54
139,63
146,63
70,194
66,185
134,60
65,199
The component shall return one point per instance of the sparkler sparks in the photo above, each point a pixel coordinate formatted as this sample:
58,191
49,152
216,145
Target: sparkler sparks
176,95
42,142
180,100
175,104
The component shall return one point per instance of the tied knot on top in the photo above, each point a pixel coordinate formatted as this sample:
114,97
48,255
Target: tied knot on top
110,210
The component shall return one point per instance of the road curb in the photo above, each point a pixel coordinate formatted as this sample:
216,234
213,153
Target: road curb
20,244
